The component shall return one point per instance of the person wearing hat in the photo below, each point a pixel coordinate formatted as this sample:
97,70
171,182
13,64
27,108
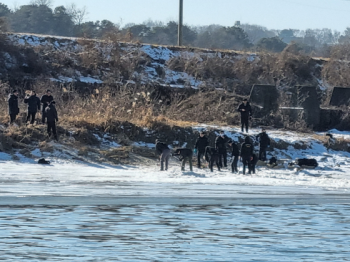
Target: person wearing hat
51,115
201,144
220,145
246,112
164,152
13,106
235,155
33,105
264,142
45,100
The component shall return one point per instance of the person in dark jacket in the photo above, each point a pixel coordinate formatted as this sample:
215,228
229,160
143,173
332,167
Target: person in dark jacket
253,162
235,155
212,156
201,143
247,151
51,114
45,100
33,106
220,145
184,155
164,152
246,112
13,106
264,142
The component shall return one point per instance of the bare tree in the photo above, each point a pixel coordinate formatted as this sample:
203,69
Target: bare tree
15,6
256,32
78,14
47,3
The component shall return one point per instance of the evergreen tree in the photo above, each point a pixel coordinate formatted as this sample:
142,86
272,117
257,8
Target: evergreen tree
4,10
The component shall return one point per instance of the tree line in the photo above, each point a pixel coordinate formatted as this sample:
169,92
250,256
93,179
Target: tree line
38,17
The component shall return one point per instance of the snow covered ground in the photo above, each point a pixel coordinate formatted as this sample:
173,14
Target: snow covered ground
79,211
66,177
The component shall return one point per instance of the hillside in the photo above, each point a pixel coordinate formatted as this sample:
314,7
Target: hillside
68,60
182,84
130,93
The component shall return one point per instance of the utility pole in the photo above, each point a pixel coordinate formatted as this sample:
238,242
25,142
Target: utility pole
179,31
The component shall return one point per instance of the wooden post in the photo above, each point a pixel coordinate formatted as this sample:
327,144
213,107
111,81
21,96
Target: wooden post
179,36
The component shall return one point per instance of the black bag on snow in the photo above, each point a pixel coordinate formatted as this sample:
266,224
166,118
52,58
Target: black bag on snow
307,162
43,161
273,161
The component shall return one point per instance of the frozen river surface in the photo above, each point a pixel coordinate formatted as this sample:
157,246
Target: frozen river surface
175,233
82,212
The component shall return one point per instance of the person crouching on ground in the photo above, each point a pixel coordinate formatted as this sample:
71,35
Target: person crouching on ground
164,152
201,144
13,106
212,156
33,106
184,155
235,155
247,150
51,115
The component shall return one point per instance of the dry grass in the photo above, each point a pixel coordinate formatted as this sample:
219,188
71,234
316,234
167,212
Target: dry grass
337,144
144,151
46,147
83,151
6,143
117,155
88,107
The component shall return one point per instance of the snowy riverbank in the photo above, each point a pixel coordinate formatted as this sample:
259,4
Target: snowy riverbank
67,177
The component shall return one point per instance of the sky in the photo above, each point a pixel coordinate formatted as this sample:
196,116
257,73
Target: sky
273,14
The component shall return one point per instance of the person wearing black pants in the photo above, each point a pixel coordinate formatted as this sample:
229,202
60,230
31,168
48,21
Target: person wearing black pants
164,151
220,145
33,106
264,142
46,100
13,106
235,155
247,151
184,155
52,118
201,144
212,156
254,160
246,112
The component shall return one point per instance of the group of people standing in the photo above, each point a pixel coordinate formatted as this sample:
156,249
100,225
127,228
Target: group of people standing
218,154
213,155
46,105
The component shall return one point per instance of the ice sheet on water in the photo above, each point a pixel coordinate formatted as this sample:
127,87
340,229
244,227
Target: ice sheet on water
69,177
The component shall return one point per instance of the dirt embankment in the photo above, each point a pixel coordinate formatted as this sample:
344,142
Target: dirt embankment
125,143
140,92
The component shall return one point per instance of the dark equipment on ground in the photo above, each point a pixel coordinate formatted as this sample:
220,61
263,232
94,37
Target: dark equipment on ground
43,161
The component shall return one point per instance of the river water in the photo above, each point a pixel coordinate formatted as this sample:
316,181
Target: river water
78,212
176,232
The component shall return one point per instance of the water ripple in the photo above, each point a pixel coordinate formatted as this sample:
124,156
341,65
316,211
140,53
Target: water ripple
175,233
